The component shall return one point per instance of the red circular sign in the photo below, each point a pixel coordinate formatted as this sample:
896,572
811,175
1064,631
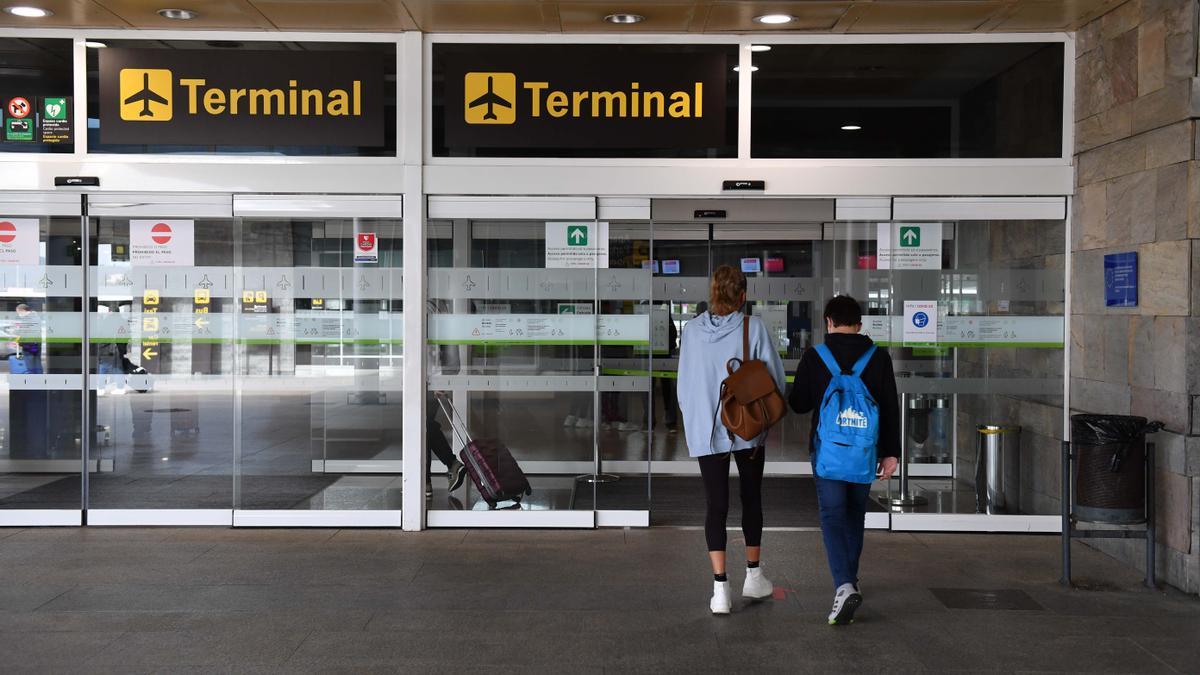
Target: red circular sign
8,232
160,233
19,108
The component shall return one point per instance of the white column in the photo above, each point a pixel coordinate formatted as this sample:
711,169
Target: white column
410,112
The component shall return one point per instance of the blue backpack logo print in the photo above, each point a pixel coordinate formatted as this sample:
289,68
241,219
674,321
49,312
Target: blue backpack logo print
848,423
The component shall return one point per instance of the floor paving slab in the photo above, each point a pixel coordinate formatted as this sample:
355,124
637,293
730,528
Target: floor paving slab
296,601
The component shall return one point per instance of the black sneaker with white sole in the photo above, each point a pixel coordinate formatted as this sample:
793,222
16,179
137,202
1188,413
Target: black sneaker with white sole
845,602
455,476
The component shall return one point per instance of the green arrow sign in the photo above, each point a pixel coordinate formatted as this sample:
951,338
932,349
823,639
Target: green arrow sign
577,235
910,237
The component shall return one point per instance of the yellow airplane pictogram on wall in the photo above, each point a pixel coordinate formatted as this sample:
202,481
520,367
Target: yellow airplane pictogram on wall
146,95
490,98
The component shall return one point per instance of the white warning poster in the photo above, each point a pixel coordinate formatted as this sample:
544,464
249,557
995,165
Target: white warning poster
162,242
577,245
920,322
910,246
19,241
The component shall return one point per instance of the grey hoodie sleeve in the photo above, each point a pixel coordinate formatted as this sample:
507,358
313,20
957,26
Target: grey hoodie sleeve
686,369
765,351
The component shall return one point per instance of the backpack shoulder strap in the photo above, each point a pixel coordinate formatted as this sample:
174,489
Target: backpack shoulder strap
745,337
861,364
830,362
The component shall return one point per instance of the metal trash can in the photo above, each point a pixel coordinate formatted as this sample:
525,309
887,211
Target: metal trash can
1110,474
997,469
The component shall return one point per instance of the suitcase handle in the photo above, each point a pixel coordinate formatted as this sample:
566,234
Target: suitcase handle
453,417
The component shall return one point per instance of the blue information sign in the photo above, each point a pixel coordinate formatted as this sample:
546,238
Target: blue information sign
1121,279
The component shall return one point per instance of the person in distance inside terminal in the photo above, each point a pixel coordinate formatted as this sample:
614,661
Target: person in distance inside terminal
709,341
848,385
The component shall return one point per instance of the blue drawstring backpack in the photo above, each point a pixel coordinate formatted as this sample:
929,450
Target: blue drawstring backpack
848,423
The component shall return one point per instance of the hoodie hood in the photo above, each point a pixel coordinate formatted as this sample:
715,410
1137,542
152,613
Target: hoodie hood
714,327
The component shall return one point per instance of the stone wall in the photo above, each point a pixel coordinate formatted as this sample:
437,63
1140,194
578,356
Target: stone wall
1137,98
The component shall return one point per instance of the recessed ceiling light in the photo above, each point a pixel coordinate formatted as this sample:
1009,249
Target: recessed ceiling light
178,14
28,12
92,44
624,18
738,69
851,127
774,18
759,48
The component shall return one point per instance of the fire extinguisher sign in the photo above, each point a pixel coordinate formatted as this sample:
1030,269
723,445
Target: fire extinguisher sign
366,247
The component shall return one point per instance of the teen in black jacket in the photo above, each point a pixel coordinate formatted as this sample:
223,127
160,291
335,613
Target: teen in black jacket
843,504
812,379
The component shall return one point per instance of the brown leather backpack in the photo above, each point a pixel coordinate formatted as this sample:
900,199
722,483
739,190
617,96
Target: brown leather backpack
750,400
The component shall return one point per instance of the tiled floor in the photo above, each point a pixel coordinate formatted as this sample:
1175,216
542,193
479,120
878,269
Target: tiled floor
286,601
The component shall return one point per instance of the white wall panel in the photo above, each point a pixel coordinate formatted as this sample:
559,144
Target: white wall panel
67,203
979,208
319,206
500,208
798,178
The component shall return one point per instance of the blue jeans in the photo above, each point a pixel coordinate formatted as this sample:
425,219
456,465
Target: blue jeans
843,508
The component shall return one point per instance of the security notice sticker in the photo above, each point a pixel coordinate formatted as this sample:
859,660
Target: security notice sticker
920,321
18,241
162,242
366,247
577,245
910,246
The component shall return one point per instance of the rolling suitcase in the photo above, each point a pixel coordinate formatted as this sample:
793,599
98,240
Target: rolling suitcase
491,466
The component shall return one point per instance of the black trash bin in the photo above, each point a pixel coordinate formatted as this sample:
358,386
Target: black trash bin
1110,475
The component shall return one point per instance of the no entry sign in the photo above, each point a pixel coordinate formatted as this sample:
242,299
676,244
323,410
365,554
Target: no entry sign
162,242
18,241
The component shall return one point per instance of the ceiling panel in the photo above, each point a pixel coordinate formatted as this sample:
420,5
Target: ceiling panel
67,13
578,16
903,16
662,17
1053,14
360,15
739,16
211,14
458,16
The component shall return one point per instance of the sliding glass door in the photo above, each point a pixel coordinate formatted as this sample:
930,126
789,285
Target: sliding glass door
41,357
538,339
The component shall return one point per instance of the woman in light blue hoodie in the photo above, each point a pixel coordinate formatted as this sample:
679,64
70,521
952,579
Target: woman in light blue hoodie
709,341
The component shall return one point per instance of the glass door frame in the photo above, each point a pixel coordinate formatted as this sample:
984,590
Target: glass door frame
41,205
253,205
573,208
150,205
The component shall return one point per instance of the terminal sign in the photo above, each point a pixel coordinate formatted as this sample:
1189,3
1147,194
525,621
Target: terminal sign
582,96
205,97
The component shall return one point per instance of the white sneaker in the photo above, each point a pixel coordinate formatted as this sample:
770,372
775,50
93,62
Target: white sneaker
570,421
721,601
627,426
583,423
845,602
757,586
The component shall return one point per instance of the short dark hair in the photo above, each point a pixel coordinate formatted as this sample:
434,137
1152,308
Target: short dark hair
843,310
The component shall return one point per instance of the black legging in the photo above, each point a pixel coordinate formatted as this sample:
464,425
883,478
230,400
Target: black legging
715,471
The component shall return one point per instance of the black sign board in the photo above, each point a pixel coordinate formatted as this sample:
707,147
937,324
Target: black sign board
76,181
744,185
208,97
710,213
581,96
